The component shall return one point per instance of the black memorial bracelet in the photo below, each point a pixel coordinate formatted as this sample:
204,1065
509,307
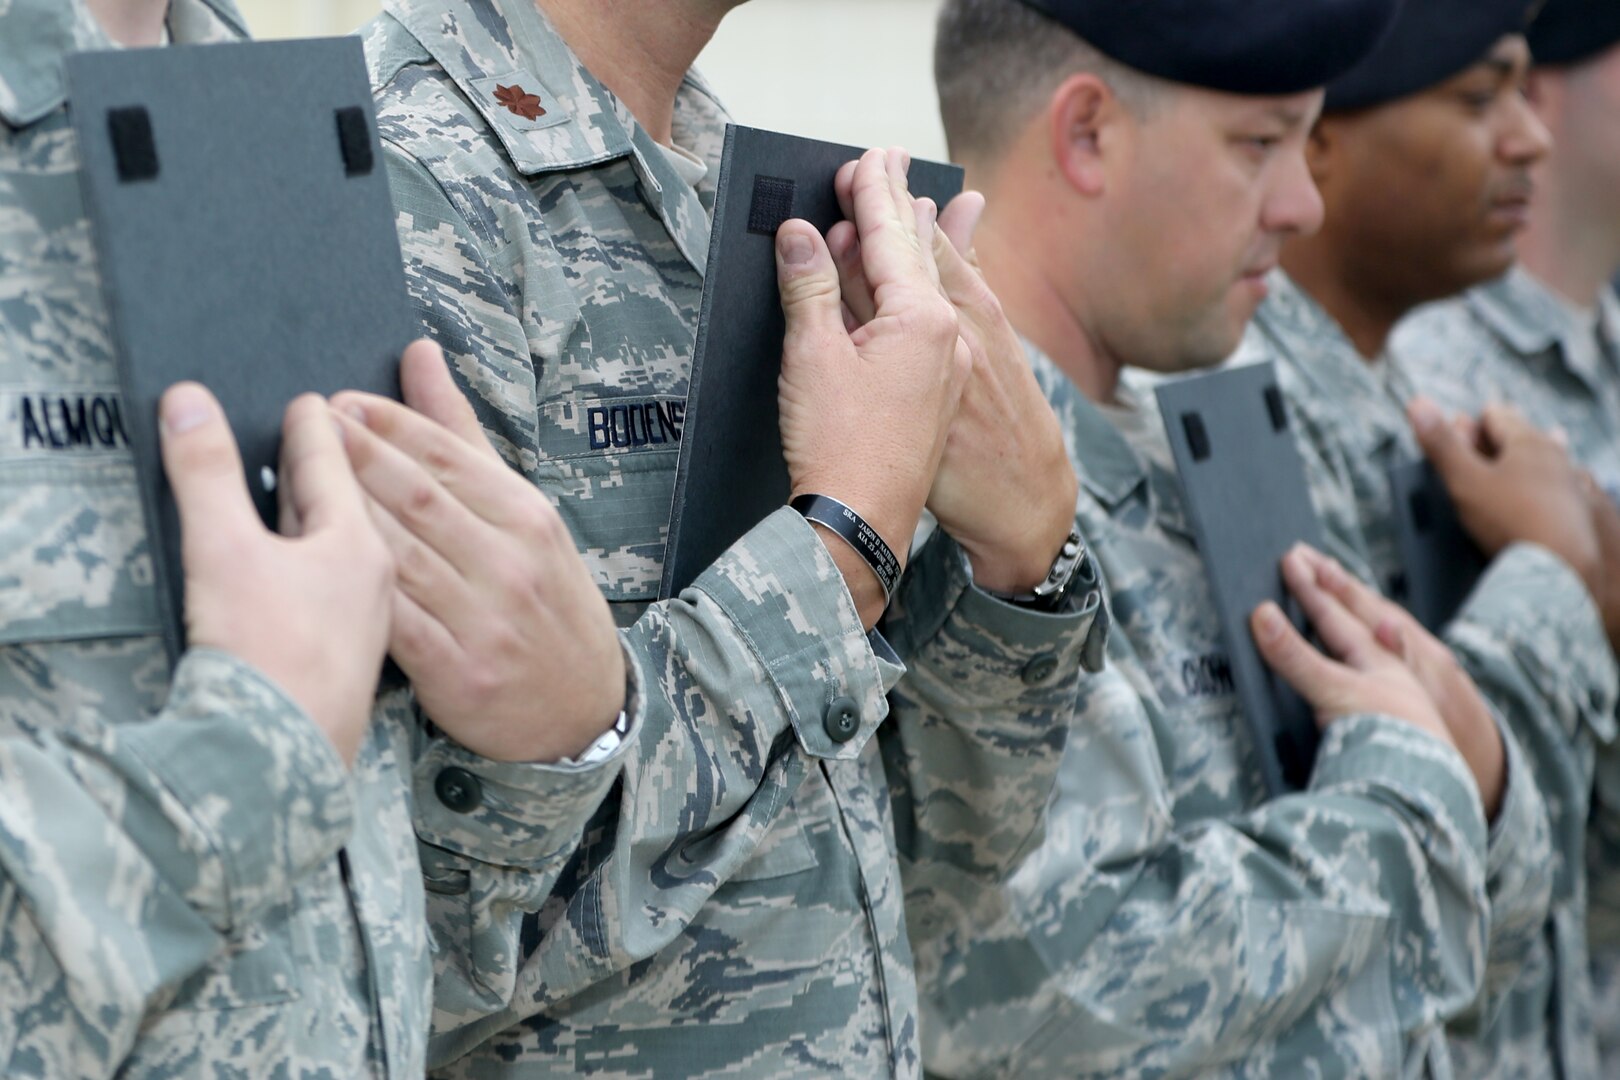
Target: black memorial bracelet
854,531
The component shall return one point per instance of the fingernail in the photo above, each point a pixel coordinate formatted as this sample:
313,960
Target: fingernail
1426,416
1270,620
797,249
186,408
343,436
354,411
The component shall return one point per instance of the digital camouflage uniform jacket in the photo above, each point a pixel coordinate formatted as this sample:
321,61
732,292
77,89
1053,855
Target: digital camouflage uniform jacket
1529,634
191,883
1515,341
1175,922
733,906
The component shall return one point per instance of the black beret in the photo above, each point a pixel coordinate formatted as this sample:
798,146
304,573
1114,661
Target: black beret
1240,46
1569,31
1432,41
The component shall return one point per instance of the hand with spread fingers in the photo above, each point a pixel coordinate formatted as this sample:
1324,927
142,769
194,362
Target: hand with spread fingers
1512,483
505,636
865,409
309,610
1461,706
1005,489
1359,674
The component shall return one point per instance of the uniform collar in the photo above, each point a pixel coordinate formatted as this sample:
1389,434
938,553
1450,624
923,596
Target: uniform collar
1526,315
36,36
503,51
1609,319
552,115
1306,341
1113,472
1110,468
1521,311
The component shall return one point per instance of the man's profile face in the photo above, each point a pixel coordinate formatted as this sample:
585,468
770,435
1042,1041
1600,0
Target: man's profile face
1427,194
1199,206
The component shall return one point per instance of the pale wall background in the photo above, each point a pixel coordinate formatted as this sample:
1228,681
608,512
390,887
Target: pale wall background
855,71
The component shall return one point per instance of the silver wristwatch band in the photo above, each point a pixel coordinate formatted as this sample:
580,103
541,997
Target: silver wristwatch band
1060,580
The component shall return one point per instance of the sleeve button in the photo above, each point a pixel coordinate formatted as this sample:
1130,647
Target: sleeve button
1040,668
459,790
842,720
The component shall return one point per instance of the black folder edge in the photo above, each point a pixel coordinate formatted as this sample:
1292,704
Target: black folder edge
670,584
1441,563
683,467
1271,709
159,511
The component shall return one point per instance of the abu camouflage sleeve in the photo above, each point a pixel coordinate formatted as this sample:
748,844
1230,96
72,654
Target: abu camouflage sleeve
1532,640
1129,945
128,852
979,722
1511,655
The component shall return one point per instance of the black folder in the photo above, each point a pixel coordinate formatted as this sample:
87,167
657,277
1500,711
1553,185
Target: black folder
1441,563
1247,497
246,236
731,474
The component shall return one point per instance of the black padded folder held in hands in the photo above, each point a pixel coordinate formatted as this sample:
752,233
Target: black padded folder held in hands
246,236
1441,563
731,474
1246,494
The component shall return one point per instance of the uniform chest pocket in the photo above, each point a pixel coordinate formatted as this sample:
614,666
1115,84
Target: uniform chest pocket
616,507
74,559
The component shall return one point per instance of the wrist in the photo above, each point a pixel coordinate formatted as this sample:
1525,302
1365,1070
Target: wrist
1018,564
562,728
863,585
892,516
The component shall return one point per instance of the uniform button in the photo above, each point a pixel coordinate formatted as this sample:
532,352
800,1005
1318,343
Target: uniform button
843,720
1040,668
459,790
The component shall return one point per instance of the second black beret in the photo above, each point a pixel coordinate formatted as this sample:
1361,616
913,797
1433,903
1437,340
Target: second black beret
1432,40
1570,31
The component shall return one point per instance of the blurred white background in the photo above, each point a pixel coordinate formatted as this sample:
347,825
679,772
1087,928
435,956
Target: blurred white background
855,71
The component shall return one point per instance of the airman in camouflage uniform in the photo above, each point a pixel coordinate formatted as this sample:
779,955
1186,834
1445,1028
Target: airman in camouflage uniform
190,879
735,905
1531,610
1546,339
1517,342
1176,921
1554,674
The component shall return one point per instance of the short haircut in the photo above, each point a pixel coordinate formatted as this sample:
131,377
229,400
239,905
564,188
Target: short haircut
997,61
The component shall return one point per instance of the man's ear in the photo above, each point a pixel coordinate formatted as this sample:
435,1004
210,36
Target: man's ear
1082,116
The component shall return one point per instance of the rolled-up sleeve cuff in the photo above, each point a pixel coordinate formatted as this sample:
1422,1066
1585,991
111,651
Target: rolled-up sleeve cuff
263,786
781,589
519,815
939,606
1373,753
